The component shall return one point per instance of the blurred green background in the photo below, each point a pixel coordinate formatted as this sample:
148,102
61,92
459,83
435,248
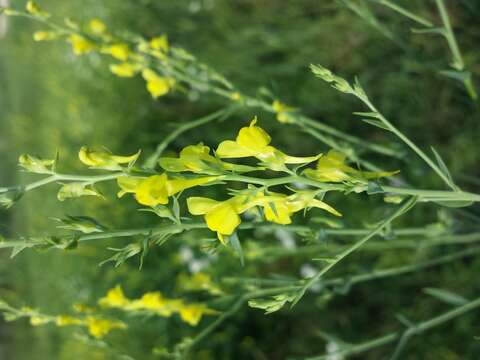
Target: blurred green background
51,100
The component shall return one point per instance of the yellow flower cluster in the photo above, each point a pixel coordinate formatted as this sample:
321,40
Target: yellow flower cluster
155,303
253,141
224,216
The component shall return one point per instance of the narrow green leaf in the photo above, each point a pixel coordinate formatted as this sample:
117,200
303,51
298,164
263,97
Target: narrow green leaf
376,123
446,296
237,246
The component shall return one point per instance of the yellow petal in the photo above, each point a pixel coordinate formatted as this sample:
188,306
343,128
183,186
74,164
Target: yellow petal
160,43
119,51
104,159
153,191
176,185
231,149
97,26
321,205
125,69
277,212
200,205
253,137
80,45
223,218
128,184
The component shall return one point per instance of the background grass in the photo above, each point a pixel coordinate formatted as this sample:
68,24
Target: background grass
52,100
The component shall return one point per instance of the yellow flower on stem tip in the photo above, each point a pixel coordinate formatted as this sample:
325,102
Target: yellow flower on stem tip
332,168
156,189
97,26
125,69
119,51
80,45
193,313
33,8
115,298
197,159
105,160
44,35
154,302
254,141
284,112
157,85
160,43
98,328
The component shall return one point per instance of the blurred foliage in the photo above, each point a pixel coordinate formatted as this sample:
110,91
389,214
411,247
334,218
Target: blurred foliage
51,100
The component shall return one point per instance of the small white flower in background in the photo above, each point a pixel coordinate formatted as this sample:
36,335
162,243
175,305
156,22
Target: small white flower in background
186,254
286,238
197,265
331,348
308,271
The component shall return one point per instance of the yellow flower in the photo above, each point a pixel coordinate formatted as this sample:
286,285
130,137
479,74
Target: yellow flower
160,43
104,160
198,281
119,51
98,328
36,165
44,35
197,159
284,112
125,69
115,298
156,189
65,320
332,168
222,216
80,45
193,313
33,8
156,303
128,184
97,26
157,85
38,320
235,96
254,141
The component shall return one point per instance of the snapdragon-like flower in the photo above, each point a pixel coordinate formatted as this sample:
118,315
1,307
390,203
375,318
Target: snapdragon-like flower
157,85
155,190
97,26
105,160
253,141
284,112
125,69
119,51
80,45
197,159
333,168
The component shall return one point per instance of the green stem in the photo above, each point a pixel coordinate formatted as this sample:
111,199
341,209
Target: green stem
331,264
405,12
151,162
394,336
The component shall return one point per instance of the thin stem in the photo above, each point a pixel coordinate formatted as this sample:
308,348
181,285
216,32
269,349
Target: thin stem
151,162
405,12
333,262
458,62
414,330
407,141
